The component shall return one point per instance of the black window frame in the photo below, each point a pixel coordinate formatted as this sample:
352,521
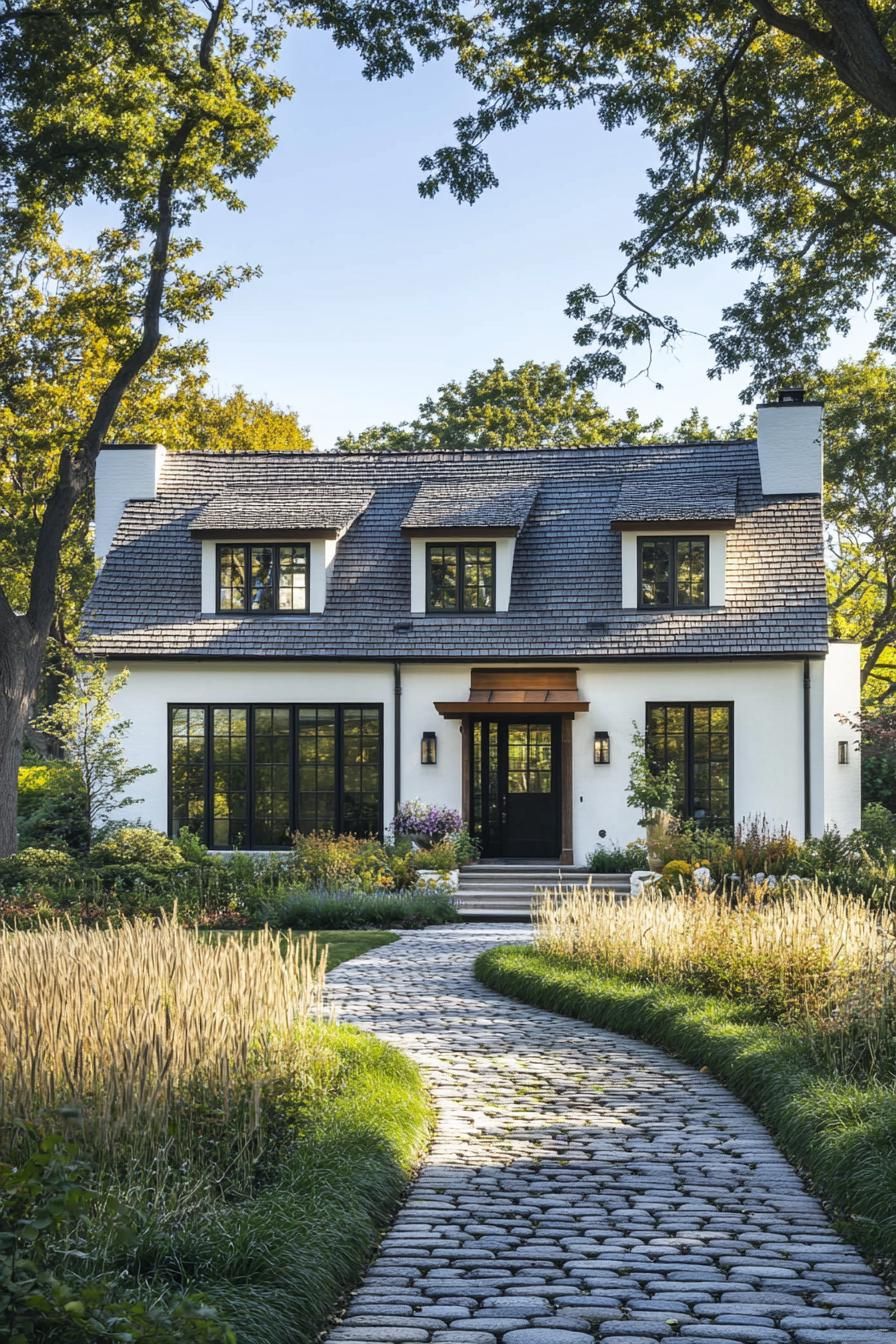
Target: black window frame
675,540
248,841
246,609
460,609
689,706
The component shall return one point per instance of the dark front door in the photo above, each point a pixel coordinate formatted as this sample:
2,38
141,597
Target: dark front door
516,787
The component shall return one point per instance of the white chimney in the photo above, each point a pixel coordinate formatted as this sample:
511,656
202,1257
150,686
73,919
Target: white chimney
790,444
124,471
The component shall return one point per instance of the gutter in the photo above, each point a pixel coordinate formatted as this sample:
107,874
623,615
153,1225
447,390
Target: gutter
807,752
396,672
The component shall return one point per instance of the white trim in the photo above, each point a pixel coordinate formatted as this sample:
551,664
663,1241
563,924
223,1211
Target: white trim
321,551
504,549
717,559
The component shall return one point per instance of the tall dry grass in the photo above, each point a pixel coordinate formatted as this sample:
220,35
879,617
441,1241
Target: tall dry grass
153,1045
817,959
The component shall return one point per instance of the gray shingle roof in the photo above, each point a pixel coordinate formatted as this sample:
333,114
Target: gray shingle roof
565,597
654,496
471,504
275,510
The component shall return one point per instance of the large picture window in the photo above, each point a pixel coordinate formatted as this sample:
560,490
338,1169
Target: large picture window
673,572
460,576
263,578
697,739
251,775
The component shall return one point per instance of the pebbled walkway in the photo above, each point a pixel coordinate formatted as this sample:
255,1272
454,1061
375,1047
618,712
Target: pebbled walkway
583,1186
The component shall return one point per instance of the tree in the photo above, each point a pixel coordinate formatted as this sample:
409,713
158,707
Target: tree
533,406
772,126
156,110
89,731
860,487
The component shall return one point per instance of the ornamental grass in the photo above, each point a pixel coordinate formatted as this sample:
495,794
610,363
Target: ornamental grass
151,1046
816,960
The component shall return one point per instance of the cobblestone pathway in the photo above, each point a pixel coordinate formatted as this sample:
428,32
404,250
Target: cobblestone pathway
582,1186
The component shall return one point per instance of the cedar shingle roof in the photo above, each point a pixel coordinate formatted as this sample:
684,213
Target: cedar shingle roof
565,599
654,496
471,504
277,511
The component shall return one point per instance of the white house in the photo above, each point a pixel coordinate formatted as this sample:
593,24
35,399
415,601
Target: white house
312,637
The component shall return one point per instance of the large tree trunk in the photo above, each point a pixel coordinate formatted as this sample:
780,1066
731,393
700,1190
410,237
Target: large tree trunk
20,664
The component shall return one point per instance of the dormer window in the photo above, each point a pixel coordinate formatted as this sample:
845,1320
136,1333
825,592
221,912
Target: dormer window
673,573
460,577
263,578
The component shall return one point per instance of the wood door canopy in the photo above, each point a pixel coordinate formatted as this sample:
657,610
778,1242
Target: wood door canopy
498,691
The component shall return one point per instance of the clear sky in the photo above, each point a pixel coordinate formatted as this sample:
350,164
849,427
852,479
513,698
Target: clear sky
372,297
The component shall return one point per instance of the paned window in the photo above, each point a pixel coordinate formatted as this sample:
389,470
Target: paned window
673,572
230,777
252,775
188,771
263,578
529,758
696,739
271,811
316,765
460,576
361,769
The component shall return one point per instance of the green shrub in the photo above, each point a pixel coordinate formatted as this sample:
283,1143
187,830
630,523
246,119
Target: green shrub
37,868
360,910
137,845
52,810
879,828
677,871
42,1199
609,860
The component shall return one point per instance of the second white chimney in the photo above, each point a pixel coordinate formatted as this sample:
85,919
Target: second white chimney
124,471
789,434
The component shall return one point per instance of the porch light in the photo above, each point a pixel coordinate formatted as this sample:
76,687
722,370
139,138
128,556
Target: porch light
601,748
428,749
843,753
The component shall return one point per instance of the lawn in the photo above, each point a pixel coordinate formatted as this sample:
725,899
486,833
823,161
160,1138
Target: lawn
789,1005
187,1150
341,944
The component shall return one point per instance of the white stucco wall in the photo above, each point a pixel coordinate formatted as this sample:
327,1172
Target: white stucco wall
842,697
768,728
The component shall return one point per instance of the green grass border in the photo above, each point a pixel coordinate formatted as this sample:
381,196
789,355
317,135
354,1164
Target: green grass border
840,1135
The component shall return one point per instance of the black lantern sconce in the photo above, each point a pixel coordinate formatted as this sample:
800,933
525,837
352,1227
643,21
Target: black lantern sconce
428,749
601,748
843,753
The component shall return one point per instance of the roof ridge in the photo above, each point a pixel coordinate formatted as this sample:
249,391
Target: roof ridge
436,454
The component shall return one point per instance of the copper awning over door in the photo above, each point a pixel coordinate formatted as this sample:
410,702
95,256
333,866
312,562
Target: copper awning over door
537,690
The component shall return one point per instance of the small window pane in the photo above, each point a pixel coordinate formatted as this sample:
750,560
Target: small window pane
292,591
231,578
261,570
690,573
442,578
655,576
479,578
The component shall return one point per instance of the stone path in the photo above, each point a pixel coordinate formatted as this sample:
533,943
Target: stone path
583,1186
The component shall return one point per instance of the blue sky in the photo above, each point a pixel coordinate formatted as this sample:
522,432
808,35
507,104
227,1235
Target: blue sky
372,297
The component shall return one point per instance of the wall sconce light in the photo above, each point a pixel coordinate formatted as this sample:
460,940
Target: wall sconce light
601,748
428,749
843,753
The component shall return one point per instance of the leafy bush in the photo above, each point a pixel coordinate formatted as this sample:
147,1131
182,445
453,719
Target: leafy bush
879,828
677,871
426,822
36,868
329,862
360,910
52,807
137,845
609,860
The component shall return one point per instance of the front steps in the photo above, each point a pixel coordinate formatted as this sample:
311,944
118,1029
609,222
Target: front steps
505,890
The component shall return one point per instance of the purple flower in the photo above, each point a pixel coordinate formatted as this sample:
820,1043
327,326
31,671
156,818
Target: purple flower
426,821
